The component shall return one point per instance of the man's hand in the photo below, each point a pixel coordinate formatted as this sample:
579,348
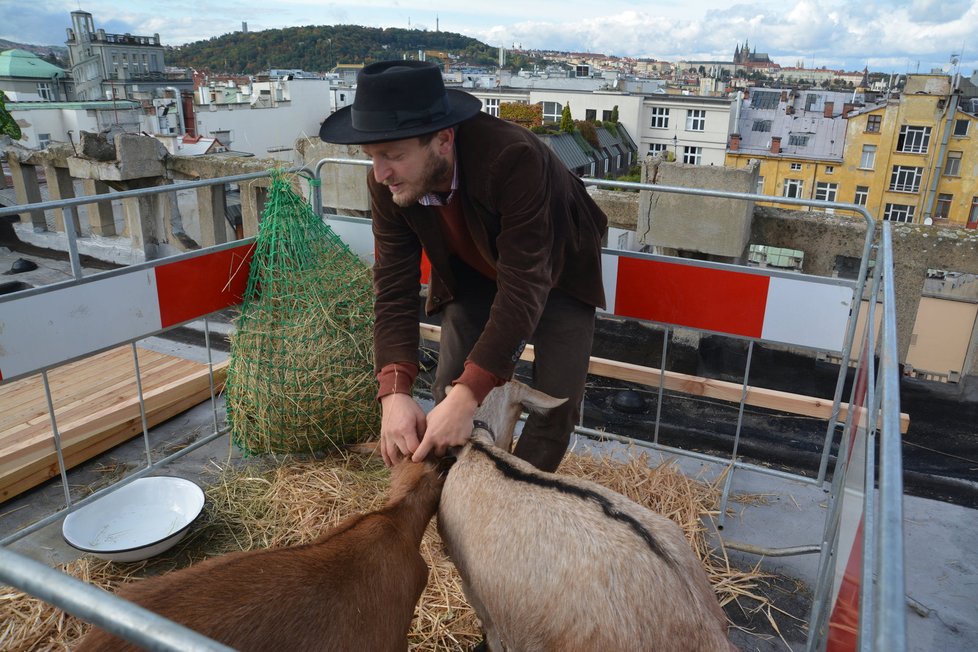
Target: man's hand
449,423
401,422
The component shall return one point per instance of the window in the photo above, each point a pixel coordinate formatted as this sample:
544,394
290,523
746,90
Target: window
913,140
623,240
759,190
862,195
961,127
761,125
692,155
873,123
825,191
811,102
793,187
943,209
868,159
952,166
798,140
898,213
43,140
552,111
696,120
590,115
973,214
905,179
606,116
829,169
44,91
492,106
795,167
660,117
765,99
656,148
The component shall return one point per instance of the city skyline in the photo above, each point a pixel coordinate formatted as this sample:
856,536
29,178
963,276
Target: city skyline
899,36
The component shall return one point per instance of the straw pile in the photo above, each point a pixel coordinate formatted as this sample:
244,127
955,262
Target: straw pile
300,379
298,499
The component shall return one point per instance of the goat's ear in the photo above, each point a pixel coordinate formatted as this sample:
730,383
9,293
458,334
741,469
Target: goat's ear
536,401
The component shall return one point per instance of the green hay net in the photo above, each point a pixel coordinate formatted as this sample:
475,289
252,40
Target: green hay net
300,378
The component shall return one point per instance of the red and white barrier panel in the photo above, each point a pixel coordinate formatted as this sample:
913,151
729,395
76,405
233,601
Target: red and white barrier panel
844,602
49,328
728,299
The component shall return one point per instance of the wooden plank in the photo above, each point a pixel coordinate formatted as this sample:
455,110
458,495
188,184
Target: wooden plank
72,381
118,393
44,468
106,428
698,386
73,425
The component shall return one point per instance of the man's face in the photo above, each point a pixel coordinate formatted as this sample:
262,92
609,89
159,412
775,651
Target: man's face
411,169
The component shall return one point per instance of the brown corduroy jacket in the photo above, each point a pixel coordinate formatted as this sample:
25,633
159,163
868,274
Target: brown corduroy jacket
529,217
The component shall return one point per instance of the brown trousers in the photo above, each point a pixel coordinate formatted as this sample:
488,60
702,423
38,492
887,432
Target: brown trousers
562,347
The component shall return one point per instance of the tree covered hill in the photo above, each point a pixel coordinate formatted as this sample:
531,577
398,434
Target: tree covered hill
322,47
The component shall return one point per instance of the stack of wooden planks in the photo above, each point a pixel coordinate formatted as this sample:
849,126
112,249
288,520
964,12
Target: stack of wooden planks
96,407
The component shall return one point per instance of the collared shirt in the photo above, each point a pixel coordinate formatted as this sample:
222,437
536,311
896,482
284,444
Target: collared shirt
434,199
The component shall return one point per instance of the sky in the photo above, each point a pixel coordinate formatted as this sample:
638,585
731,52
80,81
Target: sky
901,36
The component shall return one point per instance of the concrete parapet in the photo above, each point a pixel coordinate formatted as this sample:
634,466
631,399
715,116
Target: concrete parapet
716,227
343,186
137,157
27,190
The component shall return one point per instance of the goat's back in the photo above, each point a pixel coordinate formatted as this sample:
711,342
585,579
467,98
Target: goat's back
563,563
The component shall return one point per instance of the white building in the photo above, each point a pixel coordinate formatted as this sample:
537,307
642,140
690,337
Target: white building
264,118
694,128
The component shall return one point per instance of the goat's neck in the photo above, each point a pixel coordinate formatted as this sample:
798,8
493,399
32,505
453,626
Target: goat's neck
414,510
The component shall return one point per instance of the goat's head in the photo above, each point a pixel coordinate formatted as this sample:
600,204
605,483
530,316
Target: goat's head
502,407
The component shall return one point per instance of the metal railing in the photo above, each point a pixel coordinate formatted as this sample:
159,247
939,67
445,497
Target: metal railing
881,595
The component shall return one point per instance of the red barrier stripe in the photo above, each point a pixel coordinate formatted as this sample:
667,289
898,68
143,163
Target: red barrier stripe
844,622
192,288
709,299
425,269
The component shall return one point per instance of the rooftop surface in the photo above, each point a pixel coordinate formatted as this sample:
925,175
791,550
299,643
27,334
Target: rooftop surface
941,558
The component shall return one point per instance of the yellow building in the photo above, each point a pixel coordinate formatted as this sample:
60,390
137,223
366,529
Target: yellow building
913,158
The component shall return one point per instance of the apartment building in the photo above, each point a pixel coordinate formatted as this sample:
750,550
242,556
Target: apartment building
915,157
797,137
120,66
691,128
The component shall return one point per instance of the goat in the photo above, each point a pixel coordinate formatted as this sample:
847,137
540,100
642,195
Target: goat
551,562
353,588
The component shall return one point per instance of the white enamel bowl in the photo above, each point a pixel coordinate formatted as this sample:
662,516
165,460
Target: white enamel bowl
142,519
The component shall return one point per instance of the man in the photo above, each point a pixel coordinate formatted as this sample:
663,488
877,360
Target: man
514,243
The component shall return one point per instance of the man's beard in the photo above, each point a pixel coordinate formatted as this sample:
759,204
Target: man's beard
436,171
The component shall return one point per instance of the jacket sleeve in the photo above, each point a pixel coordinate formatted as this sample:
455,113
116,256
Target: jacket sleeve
397,282
518,180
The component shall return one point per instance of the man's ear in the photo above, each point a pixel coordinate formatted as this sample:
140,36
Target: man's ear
445,140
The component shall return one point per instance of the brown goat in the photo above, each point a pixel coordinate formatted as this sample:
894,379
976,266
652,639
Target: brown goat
552,562
354,588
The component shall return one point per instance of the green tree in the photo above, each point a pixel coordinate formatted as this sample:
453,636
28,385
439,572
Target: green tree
566,122
614,114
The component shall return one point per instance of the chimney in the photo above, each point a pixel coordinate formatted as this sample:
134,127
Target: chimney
829,108
784,96
775,144
846,108
734,142
789,110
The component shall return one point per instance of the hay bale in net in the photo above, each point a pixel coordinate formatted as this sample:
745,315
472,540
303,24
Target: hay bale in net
300,378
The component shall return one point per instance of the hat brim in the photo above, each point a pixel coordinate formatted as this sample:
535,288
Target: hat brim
338,128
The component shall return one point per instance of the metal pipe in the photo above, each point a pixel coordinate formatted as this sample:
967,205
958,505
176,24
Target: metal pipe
120,617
